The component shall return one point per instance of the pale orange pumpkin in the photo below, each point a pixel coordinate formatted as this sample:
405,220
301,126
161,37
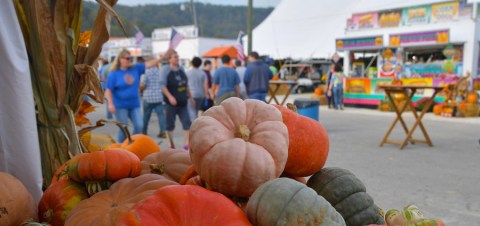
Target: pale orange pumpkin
172,163
239,145
16,202
105,207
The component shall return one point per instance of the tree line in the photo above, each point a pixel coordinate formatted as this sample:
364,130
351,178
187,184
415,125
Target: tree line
218,21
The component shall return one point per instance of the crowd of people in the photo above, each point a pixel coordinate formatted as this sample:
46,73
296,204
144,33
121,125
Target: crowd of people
170,91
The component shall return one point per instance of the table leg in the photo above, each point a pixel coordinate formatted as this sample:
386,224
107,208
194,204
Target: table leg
273,93
418,121
398,112
286,95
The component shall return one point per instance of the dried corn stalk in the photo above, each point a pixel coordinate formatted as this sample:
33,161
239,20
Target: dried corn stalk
61,70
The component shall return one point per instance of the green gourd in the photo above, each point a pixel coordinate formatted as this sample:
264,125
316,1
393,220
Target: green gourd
347,194
284,201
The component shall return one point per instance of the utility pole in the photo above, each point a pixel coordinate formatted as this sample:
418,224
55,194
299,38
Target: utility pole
194,14
249,25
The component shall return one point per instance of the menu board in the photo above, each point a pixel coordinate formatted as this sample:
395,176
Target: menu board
416,15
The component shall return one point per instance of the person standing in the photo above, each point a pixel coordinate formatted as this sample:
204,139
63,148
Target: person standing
227,80
123,90
241,73
329,93
257,77
207,68
337,86
152,99
176,94
198,85
103,73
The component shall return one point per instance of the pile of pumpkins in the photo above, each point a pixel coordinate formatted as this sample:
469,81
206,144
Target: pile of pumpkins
246,166
468,107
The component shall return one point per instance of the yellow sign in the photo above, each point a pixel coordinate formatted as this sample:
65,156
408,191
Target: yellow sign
445,11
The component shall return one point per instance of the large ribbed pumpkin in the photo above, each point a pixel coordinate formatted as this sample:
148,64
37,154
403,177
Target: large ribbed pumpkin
16,202
185,205
308,144
106,207
171,163
98,170
284,201
239,145
347,194
59,199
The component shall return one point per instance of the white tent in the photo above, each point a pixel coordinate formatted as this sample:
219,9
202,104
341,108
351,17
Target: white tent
19,148
308,28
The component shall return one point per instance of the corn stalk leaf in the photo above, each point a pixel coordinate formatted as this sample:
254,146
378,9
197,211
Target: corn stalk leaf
101,30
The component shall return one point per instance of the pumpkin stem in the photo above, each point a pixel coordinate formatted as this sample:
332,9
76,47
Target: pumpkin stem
292,107
94,187
48,215
243,132
157,168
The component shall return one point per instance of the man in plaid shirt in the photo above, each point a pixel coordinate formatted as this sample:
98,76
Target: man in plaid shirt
152,99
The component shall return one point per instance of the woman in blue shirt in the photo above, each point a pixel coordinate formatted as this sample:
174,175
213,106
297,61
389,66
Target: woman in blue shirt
123,90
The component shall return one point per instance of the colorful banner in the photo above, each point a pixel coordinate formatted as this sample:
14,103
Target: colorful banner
387,63
445,12
428,37
416,15
357,85
431,71
466,11
364,20
359,43
419,82
391,18
375,82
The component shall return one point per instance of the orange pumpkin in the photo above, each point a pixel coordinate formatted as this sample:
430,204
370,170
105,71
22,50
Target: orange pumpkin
308,146
59,199
167,206
438,109
105,207
16,202
239,145
61,173
172,164
99,169
141,145
472,97
318,91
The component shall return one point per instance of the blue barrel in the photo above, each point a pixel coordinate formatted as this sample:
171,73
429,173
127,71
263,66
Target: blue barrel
308,107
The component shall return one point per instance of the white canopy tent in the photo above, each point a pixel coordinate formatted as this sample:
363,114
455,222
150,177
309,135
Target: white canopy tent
308,28
19,148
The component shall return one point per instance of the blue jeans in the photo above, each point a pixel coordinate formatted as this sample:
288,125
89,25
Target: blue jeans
257,96
147,112
338,96
123,114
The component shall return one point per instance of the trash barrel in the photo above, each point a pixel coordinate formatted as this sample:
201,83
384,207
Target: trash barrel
308,107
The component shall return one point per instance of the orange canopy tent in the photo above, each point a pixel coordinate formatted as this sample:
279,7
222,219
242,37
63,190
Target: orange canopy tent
218,52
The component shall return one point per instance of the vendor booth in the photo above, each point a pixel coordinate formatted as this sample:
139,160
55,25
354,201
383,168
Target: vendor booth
428,45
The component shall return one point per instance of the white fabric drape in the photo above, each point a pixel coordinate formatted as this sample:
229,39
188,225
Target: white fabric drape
19,147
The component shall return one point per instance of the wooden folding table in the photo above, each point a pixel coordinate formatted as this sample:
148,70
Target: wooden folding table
408,91
277,84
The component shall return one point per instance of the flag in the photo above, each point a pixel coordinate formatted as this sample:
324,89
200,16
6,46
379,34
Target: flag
239,46
138,35
175,39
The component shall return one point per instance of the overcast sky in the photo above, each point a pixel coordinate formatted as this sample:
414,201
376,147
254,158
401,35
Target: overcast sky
256,3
